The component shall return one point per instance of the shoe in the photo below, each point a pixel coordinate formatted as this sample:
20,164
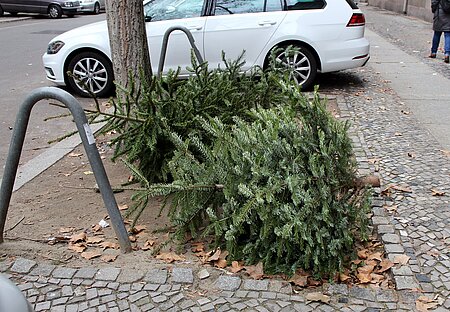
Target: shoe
446,59
432,55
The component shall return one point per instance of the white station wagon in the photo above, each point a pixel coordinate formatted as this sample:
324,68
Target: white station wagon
329,35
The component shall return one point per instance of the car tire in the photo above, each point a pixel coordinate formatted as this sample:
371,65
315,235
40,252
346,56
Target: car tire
54,11
91,70
96,8
302,63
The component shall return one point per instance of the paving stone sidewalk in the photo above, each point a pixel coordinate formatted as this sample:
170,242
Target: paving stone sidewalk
410,220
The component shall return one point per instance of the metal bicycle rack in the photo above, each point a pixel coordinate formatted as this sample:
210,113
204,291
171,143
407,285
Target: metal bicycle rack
165,42
87,137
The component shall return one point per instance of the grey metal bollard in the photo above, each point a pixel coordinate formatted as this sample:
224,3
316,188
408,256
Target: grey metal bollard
11,299
15,150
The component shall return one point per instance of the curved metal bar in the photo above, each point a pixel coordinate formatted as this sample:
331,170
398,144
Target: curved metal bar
15,150
188,33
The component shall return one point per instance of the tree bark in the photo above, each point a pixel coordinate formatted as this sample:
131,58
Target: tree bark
128,41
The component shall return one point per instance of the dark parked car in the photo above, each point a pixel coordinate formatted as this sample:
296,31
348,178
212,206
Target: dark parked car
53,8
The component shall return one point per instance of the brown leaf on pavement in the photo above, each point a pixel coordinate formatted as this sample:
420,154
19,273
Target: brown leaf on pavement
375,256
221,263
149,243
317,296
236,266
88,255
170,257
364,277
437,192
138,229
198,247
111,245
108,258
80,237
65,230
215,256
94,240
255,271
423,304
363,254
446,153
343,277
123,207
299,280
77,247
401,259
73,154
385,265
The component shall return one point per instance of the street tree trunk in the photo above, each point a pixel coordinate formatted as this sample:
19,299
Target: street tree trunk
128,41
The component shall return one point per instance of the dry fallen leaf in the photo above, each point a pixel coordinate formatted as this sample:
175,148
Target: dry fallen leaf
299,280
221,263
236,266
88,172
198,247
423,304
215,256
94,240
343,277
437,192
255,271
108,258
316,296
385,265
88,255
362,254
111,245
401,259
170,257
149,243
446,153
123,207
80,237
77,247
73,154
66,230
138,228
375,256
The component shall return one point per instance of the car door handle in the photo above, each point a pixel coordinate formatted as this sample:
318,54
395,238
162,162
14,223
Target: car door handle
195,27
265,23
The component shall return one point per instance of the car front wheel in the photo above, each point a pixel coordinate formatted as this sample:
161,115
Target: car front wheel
90,72
300,62
96,8
54,11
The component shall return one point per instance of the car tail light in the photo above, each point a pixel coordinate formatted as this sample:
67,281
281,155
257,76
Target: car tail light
357,19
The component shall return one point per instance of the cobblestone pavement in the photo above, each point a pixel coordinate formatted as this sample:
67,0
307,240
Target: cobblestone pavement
410,218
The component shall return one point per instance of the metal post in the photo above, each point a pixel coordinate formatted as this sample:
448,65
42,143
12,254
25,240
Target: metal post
162,57
15,150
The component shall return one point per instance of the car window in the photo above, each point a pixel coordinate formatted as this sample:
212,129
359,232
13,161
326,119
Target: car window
161,10
305,4
224,7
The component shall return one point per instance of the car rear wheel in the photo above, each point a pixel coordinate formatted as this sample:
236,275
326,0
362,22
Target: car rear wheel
90,71
54,11
301,63
96,8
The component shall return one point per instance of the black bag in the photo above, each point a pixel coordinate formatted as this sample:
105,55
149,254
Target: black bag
445,4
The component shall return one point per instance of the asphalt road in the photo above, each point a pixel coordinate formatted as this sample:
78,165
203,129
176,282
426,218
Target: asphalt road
23,41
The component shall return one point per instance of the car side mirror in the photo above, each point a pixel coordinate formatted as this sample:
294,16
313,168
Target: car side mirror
147,18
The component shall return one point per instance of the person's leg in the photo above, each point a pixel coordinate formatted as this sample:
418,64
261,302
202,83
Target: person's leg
447,46
435,43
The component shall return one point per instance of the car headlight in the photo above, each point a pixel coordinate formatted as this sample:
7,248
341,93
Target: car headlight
68,4
54,47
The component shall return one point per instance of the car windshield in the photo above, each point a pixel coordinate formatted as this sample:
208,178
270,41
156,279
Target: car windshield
161,10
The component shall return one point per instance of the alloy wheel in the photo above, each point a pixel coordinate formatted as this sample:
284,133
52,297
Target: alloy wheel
299,64
91,74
